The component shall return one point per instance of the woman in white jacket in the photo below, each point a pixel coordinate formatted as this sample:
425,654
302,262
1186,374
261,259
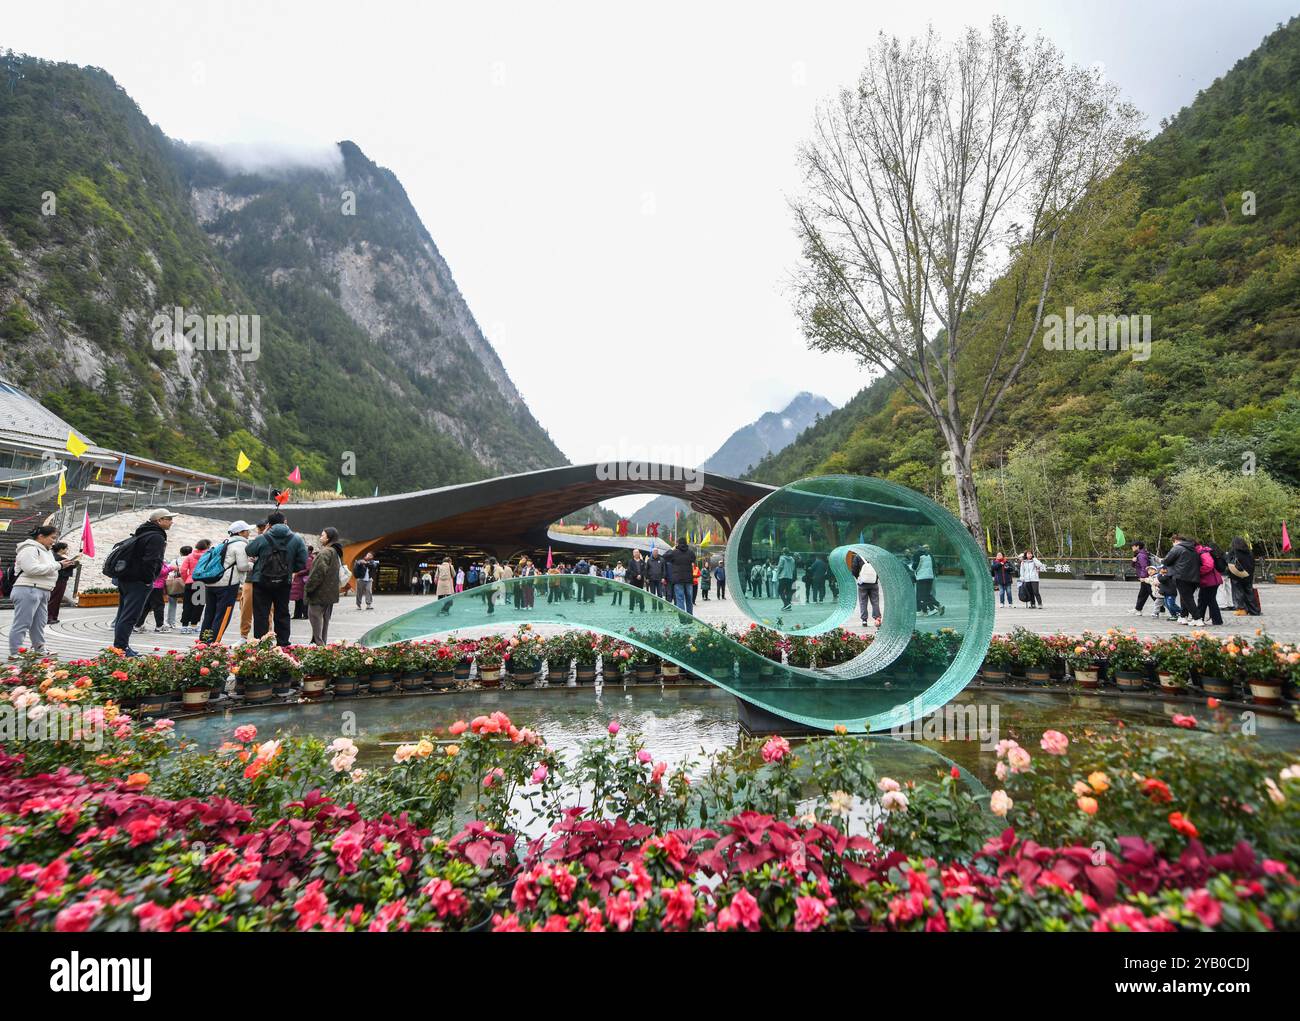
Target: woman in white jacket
1030,566
38,570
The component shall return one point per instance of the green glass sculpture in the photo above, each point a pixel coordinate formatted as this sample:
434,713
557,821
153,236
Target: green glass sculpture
790,567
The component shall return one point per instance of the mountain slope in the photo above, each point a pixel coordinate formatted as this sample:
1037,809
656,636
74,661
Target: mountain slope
366,346
1220,281
747,446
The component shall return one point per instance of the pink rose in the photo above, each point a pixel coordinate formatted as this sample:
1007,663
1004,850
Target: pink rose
1054,742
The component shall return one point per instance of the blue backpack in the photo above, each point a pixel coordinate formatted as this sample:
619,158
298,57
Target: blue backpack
212,565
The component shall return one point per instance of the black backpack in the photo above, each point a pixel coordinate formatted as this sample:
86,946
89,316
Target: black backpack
120,559
7,580
275,568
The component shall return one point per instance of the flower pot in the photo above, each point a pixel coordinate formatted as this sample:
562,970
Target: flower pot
444,678
315,686
586,673
282,685
722,672
766,669
150,705
1130,680
995,675
412,680
671,670
490,677
461,670
613,674
381,683
557,672
1087,678
1037,675
195,696
86,599
524,677
257,691
1217,687
1168,684
346,685
645,673
1266,692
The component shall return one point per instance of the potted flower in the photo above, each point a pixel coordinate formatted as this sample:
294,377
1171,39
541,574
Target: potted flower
1175,659
1264,669
1215,664
1082,658
389,664
465,657
559,653
355,662
613,660
319,663
98,596
203,670
643,664
152,681
443,671
257,669
1034,656
585,649
1127,659
998,661
766,643
418,663
525,658
488,659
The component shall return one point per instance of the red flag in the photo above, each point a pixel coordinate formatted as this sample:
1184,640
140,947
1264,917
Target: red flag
282,497
1286,539
622,526
549,563
295,476
87,536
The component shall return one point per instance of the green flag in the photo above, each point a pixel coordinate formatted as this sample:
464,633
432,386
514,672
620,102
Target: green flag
338,485
1119,537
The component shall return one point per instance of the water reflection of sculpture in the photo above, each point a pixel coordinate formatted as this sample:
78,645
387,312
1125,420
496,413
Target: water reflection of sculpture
921,656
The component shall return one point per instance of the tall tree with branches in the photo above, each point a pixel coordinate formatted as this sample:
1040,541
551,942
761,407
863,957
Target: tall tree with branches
946,170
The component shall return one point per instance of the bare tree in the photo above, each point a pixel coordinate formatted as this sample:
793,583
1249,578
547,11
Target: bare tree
944,172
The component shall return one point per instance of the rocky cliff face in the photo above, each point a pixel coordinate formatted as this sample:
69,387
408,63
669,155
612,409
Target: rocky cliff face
367,345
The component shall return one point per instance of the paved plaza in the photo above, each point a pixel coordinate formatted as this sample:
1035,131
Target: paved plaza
1069,606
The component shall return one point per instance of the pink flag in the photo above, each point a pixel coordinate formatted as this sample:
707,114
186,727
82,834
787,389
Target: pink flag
549,562
87,537
1286,539
295,476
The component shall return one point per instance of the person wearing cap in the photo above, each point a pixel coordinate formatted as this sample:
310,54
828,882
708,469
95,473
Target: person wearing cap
135,583
219,597
246,596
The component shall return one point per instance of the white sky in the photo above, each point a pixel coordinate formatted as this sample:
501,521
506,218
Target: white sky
608,185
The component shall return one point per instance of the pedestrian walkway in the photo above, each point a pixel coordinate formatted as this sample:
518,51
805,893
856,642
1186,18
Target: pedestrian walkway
1068,606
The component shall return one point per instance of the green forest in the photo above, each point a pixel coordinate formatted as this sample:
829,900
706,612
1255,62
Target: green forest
1204,436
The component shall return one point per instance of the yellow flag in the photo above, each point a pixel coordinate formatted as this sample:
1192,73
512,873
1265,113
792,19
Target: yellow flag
708,538
243,462
76,447
988,540
63,486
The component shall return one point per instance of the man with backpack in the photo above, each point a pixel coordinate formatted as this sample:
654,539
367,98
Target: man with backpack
277,554
134,564
1184,564
221,571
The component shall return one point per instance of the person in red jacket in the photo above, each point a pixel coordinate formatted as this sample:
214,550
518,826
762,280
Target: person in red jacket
1207,597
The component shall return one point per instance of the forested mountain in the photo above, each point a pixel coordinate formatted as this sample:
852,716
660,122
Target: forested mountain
1204,237
366,344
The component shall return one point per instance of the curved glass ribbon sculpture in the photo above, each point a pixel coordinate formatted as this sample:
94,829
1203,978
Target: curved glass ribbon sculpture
789,567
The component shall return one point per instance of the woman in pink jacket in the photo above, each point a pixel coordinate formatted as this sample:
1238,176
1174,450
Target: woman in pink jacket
1207,596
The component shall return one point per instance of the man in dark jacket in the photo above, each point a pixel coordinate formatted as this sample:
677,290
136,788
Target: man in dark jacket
654,574
280,554
681,571
136,582
1184,565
